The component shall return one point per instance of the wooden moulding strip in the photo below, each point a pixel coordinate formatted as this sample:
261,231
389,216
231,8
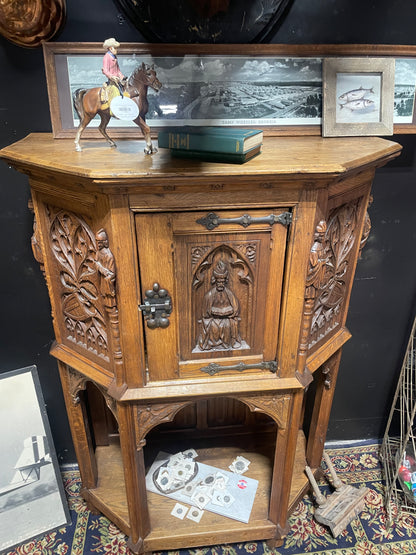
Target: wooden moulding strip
180,389
247,532
90,370
322,354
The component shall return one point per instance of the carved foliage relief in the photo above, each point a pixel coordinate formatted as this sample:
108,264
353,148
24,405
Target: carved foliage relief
222,295
328,276
87,283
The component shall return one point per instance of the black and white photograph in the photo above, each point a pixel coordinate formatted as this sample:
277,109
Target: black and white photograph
404,90
32,499
215,90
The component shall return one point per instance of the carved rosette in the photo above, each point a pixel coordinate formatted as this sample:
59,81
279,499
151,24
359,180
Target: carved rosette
150,416
87,283
327,281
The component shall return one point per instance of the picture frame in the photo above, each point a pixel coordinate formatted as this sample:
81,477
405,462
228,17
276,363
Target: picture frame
293,108
31,488
358,96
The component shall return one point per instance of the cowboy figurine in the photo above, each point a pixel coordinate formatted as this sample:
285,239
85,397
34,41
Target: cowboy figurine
110,67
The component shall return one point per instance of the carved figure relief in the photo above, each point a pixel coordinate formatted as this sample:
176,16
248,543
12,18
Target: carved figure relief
222,286
314,278
220,317
87,276
106,269
327,279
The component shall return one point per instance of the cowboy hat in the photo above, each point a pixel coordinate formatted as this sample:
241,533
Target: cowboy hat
111,42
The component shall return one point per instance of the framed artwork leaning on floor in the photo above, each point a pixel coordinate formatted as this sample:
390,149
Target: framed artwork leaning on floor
32,498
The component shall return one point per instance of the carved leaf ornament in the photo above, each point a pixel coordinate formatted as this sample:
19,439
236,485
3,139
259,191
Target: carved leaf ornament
338,243
74,247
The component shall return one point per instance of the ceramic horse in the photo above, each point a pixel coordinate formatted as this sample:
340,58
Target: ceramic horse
87,103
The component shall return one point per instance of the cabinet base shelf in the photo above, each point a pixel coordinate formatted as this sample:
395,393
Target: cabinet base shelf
109,497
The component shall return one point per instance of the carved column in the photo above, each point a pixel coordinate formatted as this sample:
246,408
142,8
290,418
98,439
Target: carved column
285,410
72,383
326,377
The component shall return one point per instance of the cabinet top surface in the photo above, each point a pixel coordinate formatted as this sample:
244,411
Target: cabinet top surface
285,156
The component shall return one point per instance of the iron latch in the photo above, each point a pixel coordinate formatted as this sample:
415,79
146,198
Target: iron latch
157,307
212,220
214,368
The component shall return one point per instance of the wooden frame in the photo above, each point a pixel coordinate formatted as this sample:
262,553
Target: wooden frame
64,61
31,488
358,96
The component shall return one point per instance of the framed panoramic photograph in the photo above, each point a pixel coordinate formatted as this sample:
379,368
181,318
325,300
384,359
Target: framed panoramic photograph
32,497
358,96
277,88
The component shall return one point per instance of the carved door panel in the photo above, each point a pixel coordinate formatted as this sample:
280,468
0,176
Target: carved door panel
224,280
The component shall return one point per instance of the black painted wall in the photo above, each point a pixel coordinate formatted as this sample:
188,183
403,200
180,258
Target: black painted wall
384,293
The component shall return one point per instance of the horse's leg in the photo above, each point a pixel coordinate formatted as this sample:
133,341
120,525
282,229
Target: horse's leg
149,148
84,122
105,118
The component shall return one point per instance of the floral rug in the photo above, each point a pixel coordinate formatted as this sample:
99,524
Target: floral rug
366,535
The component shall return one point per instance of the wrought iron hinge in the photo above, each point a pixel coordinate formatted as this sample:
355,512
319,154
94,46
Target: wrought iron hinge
157,307
215,368
212,220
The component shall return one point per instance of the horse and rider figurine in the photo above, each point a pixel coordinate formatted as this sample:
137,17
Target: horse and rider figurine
90,102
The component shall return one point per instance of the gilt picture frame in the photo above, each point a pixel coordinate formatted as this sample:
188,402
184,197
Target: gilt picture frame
274,87
31,488
358,96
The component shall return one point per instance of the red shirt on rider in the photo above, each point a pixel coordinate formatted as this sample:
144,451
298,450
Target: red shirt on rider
110,67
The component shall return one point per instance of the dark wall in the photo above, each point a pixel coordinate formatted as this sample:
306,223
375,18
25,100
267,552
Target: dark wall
384,292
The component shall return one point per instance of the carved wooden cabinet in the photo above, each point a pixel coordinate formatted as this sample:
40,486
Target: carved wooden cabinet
198,305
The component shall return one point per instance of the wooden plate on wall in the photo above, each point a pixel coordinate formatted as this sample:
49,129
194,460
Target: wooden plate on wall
31,22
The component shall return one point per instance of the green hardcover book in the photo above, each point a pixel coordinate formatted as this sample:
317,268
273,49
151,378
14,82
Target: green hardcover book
213,139
210,156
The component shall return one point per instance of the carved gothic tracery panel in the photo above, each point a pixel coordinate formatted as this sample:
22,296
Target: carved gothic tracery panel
327,282
87,283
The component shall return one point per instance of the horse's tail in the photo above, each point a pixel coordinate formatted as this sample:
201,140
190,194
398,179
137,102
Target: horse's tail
77,97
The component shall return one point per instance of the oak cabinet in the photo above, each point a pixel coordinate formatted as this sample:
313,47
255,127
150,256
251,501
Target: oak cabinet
193,304
220,280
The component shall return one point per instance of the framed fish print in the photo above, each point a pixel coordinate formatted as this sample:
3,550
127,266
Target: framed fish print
358,96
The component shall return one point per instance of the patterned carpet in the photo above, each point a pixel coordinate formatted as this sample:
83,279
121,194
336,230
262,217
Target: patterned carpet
366,535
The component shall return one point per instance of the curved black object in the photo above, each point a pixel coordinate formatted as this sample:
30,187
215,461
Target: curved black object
205,21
